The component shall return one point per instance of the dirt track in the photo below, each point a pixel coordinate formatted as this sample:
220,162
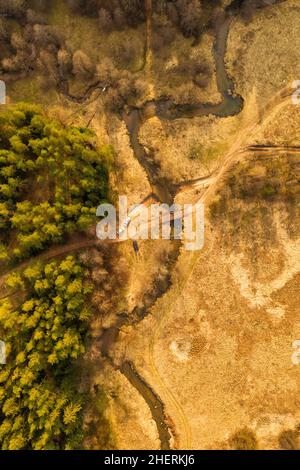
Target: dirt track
208,185
280,99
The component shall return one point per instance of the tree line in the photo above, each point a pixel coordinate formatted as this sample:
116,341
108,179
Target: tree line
40,406
52,178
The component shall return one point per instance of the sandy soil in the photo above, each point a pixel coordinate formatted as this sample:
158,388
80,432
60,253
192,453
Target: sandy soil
263,56
216,347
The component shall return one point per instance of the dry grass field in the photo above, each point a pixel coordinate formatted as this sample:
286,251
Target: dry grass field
216,343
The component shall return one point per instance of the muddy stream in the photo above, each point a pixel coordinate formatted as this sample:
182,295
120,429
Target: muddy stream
165,109
165,190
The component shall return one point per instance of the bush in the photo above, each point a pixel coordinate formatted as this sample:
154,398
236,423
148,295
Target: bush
40,406
68,170
289,440
244,439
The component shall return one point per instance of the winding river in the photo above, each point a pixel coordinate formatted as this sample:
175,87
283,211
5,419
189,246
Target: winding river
166,109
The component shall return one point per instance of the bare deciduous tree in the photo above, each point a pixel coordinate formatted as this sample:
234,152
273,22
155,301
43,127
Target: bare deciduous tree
105,20
64,59
14,8
190,16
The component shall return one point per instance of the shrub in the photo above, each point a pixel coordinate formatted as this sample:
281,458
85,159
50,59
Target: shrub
71,177
244,439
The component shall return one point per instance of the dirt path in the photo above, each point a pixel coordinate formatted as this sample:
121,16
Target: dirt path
210,185
279,100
